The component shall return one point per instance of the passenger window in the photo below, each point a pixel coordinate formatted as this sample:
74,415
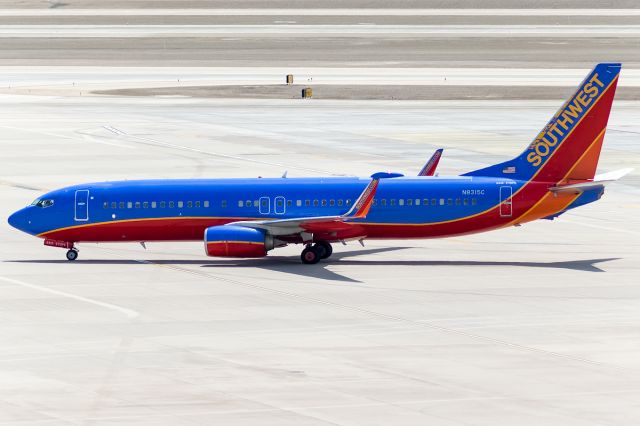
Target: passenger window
189,204
425,201
113,204
340,202
315,203
324,203
171,204
332,202
374,202
247,203
457,201
401,202
474,201
449,201
104,205
163,204
433,201
465,201
255,203
180,204
145,204
383,201
129,204
410,202
121,205
240,203
206,203
417,201
223,203
137,204
392,202
307,203
348,202
197,204
289,203
298,203
442,201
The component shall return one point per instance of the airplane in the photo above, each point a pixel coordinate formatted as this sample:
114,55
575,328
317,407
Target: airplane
249,217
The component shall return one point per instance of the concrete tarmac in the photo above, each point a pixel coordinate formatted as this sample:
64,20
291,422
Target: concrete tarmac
535,325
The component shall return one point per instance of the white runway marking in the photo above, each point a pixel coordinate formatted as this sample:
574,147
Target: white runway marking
320,12
128,312
137,31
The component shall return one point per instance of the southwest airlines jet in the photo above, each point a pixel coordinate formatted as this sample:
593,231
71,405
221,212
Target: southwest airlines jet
249,217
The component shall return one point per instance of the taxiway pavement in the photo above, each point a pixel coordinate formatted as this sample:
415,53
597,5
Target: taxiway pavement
531,325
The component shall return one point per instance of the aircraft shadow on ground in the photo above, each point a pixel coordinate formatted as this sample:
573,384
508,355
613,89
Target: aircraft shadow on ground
292,265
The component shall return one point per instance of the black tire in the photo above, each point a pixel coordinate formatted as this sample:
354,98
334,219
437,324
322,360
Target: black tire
310,256
324,248
72,255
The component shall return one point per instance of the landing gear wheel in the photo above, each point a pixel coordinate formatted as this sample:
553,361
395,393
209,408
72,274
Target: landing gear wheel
310,255
324,248
72,254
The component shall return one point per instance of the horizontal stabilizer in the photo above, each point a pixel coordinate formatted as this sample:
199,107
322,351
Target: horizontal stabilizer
598,182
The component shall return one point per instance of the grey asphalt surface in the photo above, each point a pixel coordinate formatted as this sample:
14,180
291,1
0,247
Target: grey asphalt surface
255,51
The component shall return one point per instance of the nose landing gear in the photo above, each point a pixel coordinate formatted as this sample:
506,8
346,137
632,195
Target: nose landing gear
72,254
313,253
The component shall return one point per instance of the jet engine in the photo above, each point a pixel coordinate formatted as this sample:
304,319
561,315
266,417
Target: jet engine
236,241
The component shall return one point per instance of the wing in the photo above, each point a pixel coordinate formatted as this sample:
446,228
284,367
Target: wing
294,226
430,168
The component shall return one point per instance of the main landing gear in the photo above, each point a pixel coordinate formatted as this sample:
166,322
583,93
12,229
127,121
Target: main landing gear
313,253
72,254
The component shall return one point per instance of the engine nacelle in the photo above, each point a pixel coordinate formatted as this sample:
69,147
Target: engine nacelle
236,241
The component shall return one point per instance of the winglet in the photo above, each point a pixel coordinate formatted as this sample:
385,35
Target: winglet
363,203
430,168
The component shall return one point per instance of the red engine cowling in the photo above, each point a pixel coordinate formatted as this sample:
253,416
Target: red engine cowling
236,241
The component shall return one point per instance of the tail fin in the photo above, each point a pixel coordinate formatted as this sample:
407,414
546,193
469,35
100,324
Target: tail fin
568,147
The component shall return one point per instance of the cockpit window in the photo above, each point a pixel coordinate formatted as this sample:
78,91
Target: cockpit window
43,203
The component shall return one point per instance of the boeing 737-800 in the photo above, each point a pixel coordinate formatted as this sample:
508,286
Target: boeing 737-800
249,217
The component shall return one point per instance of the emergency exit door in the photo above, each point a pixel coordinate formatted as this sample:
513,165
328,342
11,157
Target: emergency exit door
506,206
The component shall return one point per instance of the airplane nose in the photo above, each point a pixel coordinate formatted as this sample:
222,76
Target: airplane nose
18,220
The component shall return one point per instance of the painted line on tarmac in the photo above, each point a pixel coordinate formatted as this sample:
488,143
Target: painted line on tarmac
318,12
144,31
128,312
